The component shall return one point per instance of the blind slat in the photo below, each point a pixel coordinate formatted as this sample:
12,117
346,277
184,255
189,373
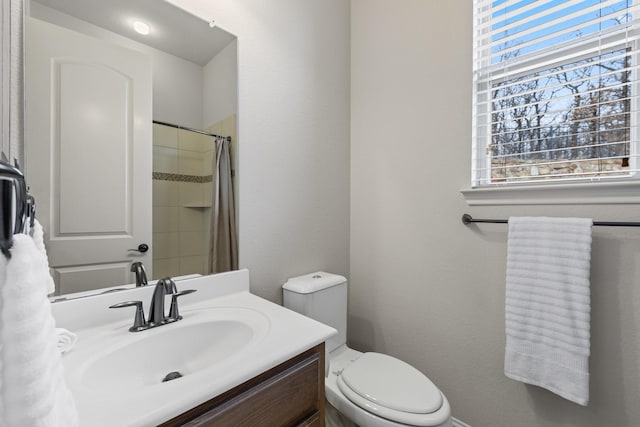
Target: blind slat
588,134
533,154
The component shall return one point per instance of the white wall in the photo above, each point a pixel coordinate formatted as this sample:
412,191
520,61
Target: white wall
428,289
220,85
177,91
177,83
293,111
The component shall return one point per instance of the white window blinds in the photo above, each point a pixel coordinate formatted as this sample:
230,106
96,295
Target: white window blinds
555,90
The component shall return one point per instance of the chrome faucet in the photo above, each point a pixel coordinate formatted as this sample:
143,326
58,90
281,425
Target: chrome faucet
141,275
156,309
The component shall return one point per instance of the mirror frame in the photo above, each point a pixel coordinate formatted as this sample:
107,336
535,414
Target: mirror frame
12,112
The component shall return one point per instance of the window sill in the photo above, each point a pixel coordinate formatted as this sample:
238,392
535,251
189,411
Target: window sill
597,193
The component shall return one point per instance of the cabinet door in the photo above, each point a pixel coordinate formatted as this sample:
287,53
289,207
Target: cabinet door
285,399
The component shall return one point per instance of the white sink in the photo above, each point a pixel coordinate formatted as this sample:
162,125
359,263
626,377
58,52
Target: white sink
132,362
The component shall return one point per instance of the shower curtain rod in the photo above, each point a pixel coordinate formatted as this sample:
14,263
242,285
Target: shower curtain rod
468,219
191,130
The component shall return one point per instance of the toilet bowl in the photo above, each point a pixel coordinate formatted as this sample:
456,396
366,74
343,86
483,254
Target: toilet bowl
369,389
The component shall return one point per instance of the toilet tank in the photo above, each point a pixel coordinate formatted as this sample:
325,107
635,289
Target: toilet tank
322,297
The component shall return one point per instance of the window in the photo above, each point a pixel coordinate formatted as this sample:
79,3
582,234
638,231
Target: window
555,91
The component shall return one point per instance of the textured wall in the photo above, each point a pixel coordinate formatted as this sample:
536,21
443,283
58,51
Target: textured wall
430,290
220,86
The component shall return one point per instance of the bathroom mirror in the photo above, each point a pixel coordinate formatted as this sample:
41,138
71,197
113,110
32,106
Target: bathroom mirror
123,98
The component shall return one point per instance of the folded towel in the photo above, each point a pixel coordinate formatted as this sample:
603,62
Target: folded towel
66,339
33,391
548,306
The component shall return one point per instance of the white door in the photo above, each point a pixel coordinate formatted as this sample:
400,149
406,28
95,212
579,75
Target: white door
88,156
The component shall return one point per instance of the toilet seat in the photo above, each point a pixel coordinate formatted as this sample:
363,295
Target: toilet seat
391,389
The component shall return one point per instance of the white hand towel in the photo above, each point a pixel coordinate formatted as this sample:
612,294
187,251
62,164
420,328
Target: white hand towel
548,306
33,390
66,339
38,238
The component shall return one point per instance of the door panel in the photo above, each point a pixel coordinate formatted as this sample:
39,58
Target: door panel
89,277
94,101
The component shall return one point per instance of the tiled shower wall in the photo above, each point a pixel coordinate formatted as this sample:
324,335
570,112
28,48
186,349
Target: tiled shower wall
182,193
179,205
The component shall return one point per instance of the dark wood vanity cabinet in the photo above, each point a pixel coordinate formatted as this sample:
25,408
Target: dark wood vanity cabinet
291,394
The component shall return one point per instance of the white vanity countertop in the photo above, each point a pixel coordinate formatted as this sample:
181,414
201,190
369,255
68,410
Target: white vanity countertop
281,335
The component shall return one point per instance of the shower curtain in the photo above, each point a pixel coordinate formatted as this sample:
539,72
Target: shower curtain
223,253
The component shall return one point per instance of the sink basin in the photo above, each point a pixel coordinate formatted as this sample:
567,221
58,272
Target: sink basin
147,361
204,339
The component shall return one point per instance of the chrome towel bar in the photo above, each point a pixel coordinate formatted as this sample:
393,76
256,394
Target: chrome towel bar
468,219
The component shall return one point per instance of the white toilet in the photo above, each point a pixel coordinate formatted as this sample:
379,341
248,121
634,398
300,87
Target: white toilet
369,389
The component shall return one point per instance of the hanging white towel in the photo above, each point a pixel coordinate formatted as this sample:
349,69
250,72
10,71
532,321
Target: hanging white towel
548,305
33,392
38,238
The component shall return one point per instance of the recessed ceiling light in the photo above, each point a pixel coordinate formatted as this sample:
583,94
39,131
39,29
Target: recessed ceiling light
141,27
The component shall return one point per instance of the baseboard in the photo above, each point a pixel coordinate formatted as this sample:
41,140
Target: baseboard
458,423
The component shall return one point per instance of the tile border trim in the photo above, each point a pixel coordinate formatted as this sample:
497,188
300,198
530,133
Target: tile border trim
176,177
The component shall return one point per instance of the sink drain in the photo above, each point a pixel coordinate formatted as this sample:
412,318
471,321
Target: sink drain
171,376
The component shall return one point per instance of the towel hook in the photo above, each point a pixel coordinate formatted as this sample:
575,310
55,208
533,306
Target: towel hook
17,206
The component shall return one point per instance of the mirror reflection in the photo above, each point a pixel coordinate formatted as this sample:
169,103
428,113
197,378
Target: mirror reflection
130,140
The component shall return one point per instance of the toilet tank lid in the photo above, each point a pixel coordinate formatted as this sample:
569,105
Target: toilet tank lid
313,282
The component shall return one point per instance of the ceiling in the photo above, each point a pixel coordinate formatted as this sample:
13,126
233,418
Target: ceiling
172,29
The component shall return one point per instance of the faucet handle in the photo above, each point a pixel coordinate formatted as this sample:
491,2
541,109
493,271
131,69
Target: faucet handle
173,311
138,321
169,285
